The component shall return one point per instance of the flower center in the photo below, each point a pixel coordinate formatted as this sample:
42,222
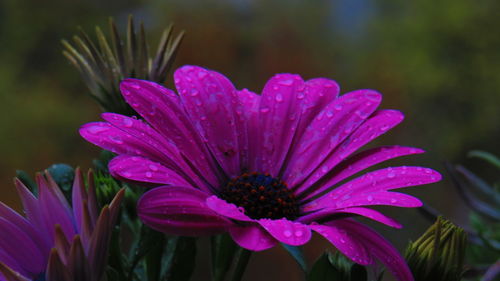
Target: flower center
262,196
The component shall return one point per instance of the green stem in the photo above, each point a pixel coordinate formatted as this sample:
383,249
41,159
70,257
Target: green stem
243,256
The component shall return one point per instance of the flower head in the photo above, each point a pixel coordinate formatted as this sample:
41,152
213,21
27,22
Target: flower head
55,241
266,168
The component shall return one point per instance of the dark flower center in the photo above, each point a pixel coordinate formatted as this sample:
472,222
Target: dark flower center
262,196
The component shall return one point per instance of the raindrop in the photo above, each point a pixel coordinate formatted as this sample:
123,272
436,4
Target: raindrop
127,122
288,82
149,174
279,98
135,86
116,139
298,233
97,129
202,74
337,107
153,168
127,174
194,92
264,110
369,198
391,175
287,233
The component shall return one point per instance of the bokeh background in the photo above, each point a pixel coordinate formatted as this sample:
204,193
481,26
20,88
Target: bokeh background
437,61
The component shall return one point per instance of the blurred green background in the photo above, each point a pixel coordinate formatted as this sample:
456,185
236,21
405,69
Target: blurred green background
437,61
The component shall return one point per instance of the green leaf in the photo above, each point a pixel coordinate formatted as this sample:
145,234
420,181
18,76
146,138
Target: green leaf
297,254
223,250
323,270
485,156
179,259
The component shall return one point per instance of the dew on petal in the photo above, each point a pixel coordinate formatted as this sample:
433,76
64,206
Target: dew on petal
127,122
279,98
97,129
288,82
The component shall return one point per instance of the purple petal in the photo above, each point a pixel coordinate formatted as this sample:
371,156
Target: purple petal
77,197
249,119
211,101
31,208
180,211
345,243
359,162
280,109
379,123
319,92
329,213
226,209
7,273
288,232
163,109
166,151
7,260
54,207
23,224
386,179
142,170
252,237
20,247
365,199
378,247
330,127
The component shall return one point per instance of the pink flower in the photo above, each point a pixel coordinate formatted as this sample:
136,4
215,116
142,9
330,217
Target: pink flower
55,241
266,168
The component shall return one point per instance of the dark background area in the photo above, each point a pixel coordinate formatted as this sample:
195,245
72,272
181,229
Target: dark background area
437,61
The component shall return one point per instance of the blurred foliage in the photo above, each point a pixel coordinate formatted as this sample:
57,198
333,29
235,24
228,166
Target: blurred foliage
484,200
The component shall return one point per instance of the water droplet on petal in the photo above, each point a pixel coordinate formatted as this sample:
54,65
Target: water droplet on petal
369,198
279,98
337,107
391,175
127,122
287,233
264,110
149,174
288,82
202,74
97,129
299,233
194,92
116,139
153,168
